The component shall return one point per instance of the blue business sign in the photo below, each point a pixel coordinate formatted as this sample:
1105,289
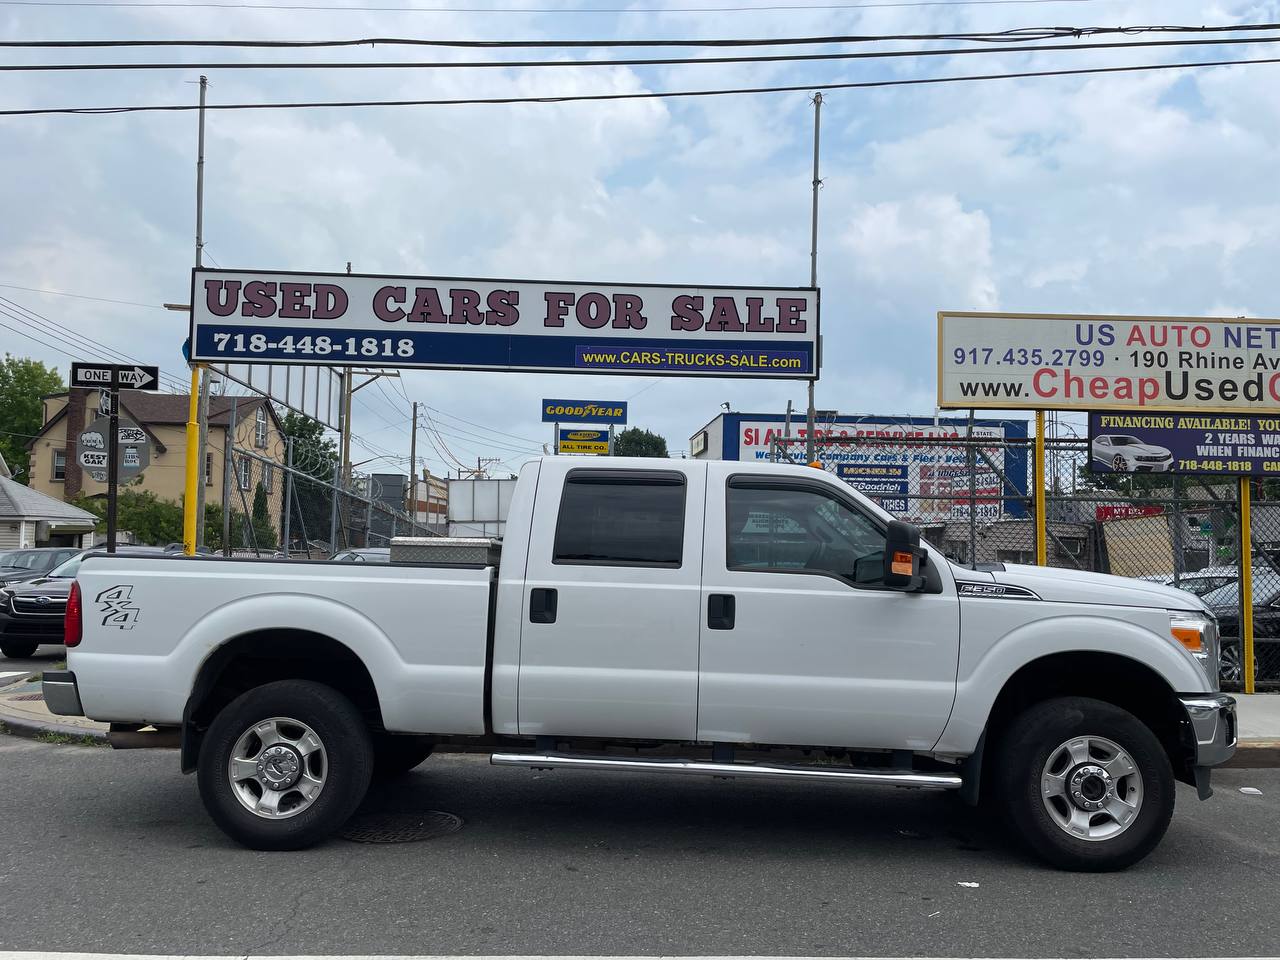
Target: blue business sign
452,323
1123,442
584,411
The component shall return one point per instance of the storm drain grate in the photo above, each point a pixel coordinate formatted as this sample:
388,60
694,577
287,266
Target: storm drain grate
28,696
400,827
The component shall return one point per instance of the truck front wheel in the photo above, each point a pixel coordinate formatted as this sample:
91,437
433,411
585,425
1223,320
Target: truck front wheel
284,765
1085,784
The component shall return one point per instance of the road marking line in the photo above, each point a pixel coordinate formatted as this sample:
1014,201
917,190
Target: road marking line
40,955
13,673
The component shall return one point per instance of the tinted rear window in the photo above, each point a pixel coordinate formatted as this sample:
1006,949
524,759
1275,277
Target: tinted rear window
621,519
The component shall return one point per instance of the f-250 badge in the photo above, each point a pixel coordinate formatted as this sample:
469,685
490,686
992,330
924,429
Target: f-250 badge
117,607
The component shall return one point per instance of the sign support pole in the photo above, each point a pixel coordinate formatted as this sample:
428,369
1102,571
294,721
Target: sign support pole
1246,585
198,408
1042,538
811,416
190,508
113,467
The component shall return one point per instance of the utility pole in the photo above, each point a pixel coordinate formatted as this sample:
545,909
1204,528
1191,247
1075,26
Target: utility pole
198,404
811,416
413,472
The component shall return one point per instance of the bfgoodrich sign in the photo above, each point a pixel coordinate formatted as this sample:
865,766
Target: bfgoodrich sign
475,324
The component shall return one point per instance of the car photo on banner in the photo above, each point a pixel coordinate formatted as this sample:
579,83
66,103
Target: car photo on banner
1125,453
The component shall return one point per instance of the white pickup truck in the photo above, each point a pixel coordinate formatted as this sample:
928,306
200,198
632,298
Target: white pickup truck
663,617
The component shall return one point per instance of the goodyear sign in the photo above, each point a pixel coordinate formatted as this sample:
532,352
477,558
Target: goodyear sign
584,411
594,442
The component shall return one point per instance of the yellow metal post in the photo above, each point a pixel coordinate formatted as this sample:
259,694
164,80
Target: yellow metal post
1042,536
189,518
1246,585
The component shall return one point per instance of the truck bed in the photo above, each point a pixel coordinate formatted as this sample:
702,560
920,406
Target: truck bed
151,622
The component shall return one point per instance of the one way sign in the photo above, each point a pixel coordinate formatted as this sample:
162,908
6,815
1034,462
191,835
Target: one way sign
131,376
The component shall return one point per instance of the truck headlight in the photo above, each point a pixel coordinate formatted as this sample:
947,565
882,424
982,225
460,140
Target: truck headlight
1198,634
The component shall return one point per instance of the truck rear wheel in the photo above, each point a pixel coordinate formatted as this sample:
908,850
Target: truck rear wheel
1086,785
284,765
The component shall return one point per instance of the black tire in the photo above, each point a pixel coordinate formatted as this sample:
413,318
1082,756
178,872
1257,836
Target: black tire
394,756
1027,746
347,768
18,649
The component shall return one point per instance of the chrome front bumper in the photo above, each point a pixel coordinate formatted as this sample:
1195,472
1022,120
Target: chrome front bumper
61,695
1213,727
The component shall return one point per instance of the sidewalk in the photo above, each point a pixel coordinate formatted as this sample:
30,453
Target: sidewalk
22,712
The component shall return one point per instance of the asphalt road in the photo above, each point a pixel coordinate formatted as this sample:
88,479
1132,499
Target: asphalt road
112,852
43,659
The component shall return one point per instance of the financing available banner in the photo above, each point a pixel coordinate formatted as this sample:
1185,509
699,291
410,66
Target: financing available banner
1040,361
1190,443
510,325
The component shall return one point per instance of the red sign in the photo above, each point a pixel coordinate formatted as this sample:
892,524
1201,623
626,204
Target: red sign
1123,511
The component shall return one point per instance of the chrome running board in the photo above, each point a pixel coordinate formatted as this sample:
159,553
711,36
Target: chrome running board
754,771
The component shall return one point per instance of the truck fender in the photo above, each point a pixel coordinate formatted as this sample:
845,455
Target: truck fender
978,687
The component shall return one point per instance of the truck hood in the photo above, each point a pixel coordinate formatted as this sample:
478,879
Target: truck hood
1080,586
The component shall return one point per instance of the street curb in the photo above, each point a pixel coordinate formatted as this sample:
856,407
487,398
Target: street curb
1256,754
20,726
33,729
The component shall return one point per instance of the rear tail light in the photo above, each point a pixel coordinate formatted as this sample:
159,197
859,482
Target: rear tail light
73,622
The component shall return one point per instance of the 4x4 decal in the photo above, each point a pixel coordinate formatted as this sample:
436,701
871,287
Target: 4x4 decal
117,607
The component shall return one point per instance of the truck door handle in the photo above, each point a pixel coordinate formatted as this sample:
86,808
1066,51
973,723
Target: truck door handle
720,611
542,605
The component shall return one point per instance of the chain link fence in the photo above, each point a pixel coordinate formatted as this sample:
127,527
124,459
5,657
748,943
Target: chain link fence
973,497
291,499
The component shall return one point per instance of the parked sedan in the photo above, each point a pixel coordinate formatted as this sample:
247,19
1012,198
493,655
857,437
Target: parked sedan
31,612
1225,604
17,566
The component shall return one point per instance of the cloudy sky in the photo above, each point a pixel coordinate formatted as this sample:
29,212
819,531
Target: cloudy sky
1145,193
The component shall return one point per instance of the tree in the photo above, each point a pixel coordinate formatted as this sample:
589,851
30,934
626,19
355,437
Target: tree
264,532
315,456
635,442
22,383
140,512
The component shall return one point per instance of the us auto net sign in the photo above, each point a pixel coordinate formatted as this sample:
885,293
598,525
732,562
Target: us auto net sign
1038,361
517,325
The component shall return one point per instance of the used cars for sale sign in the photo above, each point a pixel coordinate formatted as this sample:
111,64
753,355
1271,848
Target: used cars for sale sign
520,325
1038,361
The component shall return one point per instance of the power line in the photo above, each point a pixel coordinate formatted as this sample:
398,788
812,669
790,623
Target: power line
1026,34
621,62
85,344
356,8
80,296
651,95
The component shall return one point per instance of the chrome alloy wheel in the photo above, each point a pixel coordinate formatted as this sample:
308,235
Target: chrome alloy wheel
277,768
1091,788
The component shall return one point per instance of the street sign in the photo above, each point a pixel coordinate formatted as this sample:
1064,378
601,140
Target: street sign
93,453
108,376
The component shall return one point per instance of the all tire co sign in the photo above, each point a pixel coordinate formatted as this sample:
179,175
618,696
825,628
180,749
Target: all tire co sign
515,325
1040,361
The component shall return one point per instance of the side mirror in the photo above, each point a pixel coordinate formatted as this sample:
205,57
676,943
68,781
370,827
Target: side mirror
902,556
